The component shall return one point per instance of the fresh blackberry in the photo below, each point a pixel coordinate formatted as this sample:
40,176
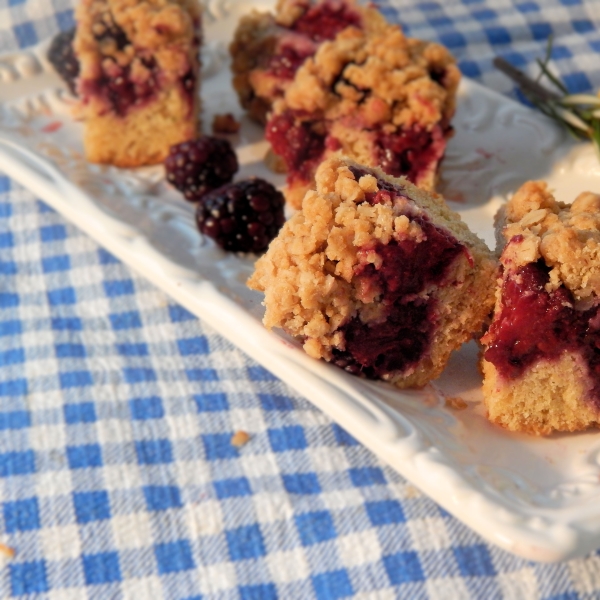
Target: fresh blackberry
201,165
243,216
63,59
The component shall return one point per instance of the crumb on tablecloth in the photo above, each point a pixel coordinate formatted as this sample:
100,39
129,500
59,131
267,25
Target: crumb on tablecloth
7,551
240,438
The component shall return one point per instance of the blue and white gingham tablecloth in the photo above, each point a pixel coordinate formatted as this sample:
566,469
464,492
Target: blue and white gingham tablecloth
117,476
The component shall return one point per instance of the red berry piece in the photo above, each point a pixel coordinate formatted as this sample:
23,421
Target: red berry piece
62,57
243,216
201,165
325,20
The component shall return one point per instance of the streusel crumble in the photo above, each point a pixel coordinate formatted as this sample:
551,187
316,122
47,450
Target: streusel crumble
376,276
542,351
268,48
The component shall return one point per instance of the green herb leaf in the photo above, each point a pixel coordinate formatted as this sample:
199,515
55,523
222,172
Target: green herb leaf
579,113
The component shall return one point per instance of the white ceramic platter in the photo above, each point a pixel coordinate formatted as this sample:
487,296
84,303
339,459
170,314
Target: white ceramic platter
537,498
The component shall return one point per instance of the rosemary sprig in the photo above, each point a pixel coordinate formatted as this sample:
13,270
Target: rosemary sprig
579,113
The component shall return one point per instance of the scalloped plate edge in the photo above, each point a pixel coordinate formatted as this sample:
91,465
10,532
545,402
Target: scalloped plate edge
392,437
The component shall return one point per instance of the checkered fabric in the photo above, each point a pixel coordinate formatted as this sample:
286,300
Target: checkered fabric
117,476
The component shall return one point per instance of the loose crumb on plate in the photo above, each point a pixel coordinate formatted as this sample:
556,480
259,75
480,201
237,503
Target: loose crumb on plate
455,402
225,123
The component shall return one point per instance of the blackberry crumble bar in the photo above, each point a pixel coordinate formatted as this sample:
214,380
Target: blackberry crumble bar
268,48
139,77
376,96
376,276
541,362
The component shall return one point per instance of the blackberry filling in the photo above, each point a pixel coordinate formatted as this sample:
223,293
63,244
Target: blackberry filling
298,144
107,30
410,152
188,81
438,75
117,86
285,64
402,335
318,24
325,20
119,90
535,325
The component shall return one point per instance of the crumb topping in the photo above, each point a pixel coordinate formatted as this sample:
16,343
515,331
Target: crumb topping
287,12
151,24
380,75
268,48
134,47
566,237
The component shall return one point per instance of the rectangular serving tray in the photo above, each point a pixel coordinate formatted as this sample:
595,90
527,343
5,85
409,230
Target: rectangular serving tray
536,497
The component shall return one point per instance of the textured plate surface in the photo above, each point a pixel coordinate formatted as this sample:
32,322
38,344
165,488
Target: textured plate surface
538,498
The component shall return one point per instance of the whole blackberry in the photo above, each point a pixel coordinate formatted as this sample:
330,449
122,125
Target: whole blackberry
63,59
201,165
243,216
